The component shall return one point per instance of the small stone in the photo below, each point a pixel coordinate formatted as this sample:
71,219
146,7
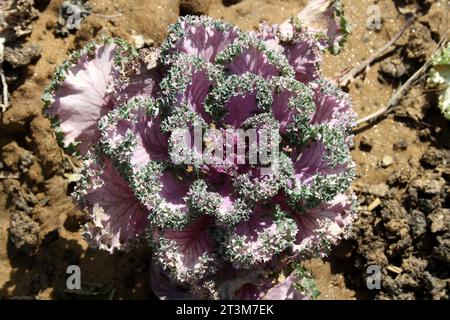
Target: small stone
400,145
20,57
138,40
387,161
394,68
440,220
379,190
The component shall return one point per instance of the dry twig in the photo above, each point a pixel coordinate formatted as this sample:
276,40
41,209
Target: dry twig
398,94
9,176
4,104
110,16
348,76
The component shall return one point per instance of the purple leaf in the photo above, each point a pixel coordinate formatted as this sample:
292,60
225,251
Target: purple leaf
117,217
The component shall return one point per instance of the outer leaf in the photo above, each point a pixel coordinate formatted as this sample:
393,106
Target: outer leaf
117,218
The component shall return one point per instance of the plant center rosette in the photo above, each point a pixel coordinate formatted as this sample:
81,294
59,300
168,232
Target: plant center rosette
159,133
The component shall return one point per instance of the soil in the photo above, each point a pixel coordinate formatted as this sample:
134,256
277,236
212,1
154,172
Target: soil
402,161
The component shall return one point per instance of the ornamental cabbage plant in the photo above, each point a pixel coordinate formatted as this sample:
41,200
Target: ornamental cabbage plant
439,78
224,150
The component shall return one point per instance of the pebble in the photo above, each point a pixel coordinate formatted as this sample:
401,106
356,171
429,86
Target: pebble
400,145
20,57
387,161
379,190
139,40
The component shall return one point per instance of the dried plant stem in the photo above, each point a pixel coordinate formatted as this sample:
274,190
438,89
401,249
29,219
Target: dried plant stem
108,17
398,94
4,103
9,176
348,76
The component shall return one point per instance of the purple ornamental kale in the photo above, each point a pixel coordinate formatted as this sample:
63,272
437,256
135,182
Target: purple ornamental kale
218,230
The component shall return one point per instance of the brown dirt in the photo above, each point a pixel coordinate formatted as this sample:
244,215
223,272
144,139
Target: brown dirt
39,225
